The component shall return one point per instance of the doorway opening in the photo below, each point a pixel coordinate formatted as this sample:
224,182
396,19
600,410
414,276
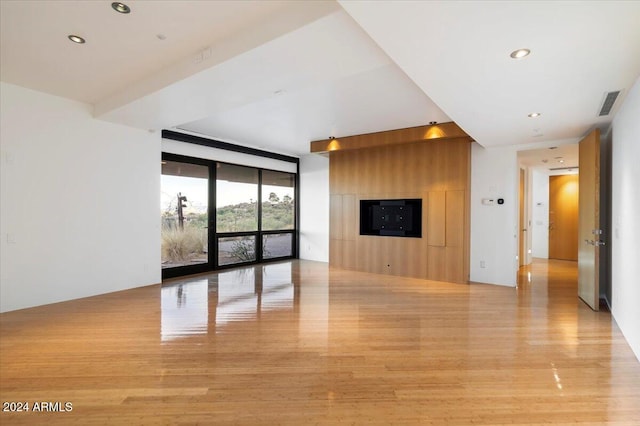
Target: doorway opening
559,198
563,217
549,206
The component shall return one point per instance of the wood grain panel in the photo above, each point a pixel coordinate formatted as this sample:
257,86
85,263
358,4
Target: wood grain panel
455,206
336,253
350,221
349,254
336,221
437,263
454,272
391,137
589,220
408,170
436,218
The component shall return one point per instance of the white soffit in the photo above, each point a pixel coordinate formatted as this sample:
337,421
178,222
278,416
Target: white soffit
274,75
458,54
322,78
379,99
294,61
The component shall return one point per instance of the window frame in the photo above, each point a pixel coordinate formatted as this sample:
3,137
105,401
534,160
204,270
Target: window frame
213,235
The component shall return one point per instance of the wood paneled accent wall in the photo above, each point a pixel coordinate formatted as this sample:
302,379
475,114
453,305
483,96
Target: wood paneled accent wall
436,171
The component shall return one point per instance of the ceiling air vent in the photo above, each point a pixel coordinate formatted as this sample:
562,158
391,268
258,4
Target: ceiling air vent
609,100
562,168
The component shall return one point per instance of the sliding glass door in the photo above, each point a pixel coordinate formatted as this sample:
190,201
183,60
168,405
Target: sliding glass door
217,215
184,209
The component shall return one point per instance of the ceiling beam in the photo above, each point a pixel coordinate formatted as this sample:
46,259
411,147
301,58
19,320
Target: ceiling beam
391,137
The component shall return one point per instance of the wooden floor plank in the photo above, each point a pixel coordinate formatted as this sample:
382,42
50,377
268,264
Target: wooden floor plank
297,343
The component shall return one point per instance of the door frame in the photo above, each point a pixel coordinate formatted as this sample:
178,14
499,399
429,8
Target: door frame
523,233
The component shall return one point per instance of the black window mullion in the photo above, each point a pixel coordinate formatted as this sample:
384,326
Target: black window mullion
214,235
213,218
259,233
295,250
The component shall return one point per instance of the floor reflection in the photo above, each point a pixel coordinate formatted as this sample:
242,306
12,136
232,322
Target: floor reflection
299,342
193,306
185,309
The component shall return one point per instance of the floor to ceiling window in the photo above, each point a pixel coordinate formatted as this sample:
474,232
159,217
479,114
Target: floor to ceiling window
237,213
184,208
278,214
217,215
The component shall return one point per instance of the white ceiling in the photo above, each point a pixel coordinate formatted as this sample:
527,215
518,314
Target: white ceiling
458,54
554,160
278,74
121,49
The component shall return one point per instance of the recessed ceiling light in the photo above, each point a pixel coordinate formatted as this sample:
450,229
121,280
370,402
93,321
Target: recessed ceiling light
534,115
520,53
560,161
76,39
161,36
553,147
120,7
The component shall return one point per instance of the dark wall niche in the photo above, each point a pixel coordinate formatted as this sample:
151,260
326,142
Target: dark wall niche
391,218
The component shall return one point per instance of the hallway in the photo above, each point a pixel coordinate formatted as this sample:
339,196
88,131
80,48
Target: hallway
299,343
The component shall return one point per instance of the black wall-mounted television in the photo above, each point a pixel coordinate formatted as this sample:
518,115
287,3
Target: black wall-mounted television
391,218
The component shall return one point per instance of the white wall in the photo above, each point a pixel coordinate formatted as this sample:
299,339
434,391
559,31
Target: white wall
80,202
625,213
540,214
314,207
494,229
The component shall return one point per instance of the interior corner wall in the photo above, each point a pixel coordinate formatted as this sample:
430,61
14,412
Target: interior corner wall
625,203
540,214
314,207
494,228
80,201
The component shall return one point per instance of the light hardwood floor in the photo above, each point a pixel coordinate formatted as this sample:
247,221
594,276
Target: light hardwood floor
298,343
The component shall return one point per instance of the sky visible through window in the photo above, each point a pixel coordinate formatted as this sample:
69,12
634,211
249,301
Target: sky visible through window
197,192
